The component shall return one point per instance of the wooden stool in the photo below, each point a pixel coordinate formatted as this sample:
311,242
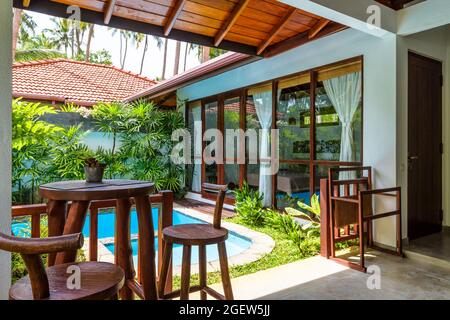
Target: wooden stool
98,281
199,235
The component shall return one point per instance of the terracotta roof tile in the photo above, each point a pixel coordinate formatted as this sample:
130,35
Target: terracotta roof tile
65,80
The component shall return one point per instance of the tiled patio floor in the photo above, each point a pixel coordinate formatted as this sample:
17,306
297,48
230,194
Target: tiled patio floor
319,278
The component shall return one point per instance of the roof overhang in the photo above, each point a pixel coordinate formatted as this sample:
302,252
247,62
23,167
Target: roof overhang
244,26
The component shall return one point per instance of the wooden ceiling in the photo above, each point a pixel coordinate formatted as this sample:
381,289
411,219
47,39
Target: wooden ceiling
257,27
395,4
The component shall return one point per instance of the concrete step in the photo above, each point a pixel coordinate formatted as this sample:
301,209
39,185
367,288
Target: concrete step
420,257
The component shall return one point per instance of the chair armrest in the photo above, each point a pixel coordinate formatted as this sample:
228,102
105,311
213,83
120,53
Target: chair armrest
382,192
343,199
215,188
41,246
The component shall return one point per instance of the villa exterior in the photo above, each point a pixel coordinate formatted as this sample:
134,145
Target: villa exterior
378,130
357,95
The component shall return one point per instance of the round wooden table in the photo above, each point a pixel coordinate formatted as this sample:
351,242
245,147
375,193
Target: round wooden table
80,193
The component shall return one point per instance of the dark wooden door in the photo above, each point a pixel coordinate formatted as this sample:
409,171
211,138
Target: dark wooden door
424,146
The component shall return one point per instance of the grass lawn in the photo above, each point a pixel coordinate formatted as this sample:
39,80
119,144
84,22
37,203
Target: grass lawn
285,251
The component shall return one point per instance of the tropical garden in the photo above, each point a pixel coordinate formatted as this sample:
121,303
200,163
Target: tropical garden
45,152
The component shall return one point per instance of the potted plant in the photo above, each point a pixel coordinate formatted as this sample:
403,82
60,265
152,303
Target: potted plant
94,170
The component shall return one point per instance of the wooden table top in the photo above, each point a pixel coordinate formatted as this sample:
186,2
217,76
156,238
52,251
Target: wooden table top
83,191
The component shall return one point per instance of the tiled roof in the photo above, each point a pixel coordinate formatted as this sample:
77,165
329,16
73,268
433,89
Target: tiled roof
82,83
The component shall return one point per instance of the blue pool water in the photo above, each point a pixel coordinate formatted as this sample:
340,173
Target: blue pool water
106,224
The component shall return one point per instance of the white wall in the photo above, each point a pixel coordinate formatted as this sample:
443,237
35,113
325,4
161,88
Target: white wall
5,138
380,81
434,44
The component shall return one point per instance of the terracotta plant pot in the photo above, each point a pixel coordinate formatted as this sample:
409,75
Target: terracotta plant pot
94,174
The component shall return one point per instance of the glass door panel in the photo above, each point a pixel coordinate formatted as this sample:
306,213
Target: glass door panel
211,118
232,147
193,170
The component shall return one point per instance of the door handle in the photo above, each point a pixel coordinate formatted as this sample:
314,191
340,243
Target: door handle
410,158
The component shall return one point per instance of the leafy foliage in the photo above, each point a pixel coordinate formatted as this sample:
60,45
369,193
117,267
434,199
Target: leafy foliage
249,205
31,147
142,144
306,237
37,54
313,218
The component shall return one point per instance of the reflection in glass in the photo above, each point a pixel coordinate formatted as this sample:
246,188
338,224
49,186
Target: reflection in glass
292,184
193,171
211,112
293,120
231,145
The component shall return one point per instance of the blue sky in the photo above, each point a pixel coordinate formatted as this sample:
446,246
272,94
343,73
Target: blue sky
103,39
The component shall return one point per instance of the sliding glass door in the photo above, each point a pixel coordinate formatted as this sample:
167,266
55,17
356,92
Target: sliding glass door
319,116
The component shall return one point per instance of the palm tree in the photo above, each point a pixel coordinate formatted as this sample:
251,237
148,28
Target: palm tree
206,54
186,51
177,58
165,60
124,38
16,27
61,35
159,44
27,28
89,42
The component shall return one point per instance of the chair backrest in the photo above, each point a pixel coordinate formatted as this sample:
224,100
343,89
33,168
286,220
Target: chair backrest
349,187
31,249
346,213
221,191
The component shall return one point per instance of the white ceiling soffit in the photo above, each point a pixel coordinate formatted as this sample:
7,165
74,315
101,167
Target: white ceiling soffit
423,16
356,14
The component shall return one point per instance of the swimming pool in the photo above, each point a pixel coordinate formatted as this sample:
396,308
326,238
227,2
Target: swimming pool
235,244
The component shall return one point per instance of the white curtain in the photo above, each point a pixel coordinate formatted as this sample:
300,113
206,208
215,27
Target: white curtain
344,93
263,105
196,177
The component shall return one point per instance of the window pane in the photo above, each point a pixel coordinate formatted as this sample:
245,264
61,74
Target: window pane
193,171
293,121
252,123
231,152
333,109
231,121
292,184
211,112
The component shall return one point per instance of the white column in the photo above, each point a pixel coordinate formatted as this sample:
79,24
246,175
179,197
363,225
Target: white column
5,138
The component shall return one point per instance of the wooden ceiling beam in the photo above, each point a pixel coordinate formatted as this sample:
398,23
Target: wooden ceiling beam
109,11
322,23
174,16
237,11
276,30
301,39
26,3
90,16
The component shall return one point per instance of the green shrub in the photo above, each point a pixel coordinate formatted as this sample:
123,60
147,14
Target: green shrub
310,213
249,206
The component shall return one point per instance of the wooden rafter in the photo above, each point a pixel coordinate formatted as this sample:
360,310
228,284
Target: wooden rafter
276,30
322,23
301,39
174,16
109,11
26,3
237,11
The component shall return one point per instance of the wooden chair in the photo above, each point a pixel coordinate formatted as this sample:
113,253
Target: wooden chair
99,281
351,212
199,235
